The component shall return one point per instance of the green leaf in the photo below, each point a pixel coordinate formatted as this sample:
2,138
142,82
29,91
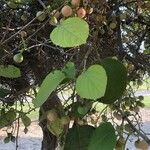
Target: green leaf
25,120
4,92
91,84
103,138
69,70
49,84
9,71
56,127
117,80
78,138
7,118
70,33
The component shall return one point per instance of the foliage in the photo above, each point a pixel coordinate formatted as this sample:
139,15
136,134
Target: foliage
67,57
68,33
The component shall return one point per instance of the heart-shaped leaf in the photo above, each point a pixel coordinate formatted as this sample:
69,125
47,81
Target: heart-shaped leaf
117,80
49,84
91,84
103,138
78,138
70,33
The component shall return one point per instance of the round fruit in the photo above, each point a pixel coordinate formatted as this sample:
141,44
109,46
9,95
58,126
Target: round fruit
141,145
81,12
24,17
128,103
12,5
52,115
23,34
53,21
66,11
55,13
113,25
18,58
85,3
40,15
75,2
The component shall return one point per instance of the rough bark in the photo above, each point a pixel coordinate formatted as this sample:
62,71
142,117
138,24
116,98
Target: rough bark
49,140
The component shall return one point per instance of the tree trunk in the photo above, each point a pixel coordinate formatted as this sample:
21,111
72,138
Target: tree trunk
49,140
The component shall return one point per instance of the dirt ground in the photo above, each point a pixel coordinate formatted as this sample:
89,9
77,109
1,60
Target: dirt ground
32,140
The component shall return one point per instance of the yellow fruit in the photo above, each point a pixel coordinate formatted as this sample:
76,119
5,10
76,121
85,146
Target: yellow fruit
40,15
113,25
75,2
24,17
81,12
53,21
18,58
52,115
66,11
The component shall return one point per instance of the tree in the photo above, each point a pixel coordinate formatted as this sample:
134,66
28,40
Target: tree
94,50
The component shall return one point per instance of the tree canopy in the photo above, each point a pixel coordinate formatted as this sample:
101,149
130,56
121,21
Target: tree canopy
96,50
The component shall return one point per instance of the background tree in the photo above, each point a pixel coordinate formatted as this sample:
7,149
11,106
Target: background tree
93,49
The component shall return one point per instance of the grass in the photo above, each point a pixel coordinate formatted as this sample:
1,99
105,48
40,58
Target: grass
147,101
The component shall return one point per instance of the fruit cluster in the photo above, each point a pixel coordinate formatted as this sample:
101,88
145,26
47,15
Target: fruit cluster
75,9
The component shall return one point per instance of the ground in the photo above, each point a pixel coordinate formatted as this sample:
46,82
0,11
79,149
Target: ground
32,140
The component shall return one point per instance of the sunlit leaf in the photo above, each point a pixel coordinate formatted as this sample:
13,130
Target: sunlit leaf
9,71
91,84
70,33
49,84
